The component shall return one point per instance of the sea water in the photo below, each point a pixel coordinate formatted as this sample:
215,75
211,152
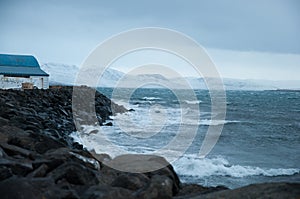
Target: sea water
259,142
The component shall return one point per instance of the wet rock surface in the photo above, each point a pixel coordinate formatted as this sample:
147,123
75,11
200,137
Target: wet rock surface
51,111
30,168
39,160
258,191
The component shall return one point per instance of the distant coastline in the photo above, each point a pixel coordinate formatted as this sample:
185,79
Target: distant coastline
65,74
289,90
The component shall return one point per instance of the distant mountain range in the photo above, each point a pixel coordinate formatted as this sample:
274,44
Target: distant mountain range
62,74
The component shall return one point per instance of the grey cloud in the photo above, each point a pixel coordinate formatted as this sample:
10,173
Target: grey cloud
242,25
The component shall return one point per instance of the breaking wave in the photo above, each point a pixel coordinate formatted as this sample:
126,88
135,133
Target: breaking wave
187,166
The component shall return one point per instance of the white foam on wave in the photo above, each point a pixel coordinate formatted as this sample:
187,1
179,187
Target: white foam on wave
141,117
151,98
97,141
193,102
208,122
184,116
185,166
195,167
147,118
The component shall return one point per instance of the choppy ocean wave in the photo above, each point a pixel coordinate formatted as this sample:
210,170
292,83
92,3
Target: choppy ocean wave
192,166
200,168
260,136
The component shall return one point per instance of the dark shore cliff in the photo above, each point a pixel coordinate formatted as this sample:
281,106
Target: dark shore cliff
38,159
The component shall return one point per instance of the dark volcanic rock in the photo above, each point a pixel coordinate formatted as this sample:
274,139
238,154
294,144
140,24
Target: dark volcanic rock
5,173
258,191
107,192
56,171
157,169
37,110
131,181
193,190
33,188
19,188
3,121
39,166
75,174
159,187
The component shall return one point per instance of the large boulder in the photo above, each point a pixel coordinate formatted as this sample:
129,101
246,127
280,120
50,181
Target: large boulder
146,176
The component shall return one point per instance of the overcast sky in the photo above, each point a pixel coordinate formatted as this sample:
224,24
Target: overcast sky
257,39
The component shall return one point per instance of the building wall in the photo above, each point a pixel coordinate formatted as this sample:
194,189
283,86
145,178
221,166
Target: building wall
41,82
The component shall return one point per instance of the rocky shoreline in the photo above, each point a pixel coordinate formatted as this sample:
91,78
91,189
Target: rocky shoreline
38,159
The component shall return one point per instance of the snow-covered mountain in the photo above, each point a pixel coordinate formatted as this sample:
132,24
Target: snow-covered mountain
230,84
62,74
248,84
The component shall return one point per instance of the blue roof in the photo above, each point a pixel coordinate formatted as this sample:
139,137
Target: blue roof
20,65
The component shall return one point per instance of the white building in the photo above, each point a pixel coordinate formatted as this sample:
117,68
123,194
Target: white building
18,69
